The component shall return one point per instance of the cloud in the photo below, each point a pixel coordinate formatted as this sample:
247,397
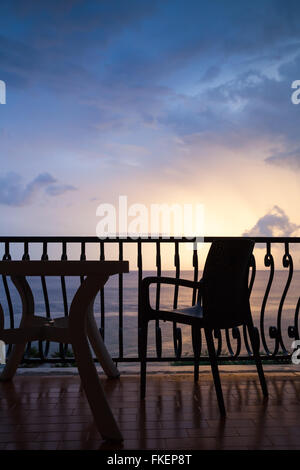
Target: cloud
290,159
252,106
14,193
273,224
58,189
136,71
62,40
211,73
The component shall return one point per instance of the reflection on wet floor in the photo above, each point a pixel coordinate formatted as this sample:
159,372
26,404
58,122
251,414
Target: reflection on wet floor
51,412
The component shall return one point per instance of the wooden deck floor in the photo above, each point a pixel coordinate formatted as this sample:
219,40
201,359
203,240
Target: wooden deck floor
51,412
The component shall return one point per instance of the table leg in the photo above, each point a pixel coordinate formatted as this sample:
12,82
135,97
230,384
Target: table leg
18,350
99,347
78,321
102,413
13,361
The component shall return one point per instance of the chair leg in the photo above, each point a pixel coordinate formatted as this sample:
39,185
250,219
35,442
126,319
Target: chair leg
254,339
196,340
215,370
143,357
196,370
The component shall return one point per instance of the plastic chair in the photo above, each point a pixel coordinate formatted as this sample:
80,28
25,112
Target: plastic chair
223,302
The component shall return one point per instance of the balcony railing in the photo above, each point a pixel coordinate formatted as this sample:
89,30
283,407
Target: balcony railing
276,319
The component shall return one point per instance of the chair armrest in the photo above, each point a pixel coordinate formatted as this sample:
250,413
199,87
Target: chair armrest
147,281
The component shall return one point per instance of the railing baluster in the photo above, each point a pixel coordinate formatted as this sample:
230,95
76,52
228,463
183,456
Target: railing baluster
63,348
26,257
82,258
158,338
250,287
195,266
44,352
196,338
7,257
102,303
177,274
140,277
121,303
177,335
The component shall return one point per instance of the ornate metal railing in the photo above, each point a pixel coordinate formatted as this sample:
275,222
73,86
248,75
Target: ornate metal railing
275,338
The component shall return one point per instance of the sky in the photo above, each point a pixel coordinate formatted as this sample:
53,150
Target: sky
163,101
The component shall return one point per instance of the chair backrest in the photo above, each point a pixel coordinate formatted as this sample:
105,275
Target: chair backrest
225,283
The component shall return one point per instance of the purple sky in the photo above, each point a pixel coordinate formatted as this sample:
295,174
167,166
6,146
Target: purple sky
163,101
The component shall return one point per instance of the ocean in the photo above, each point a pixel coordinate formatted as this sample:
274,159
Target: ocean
130,309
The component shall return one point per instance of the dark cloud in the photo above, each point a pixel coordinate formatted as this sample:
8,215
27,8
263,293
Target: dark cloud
211,73
273,224
136,41
49,42
14,193
250,107
125,64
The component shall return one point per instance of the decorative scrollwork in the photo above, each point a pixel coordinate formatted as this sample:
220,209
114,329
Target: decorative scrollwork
251,282
272,337
7,257
287,262
218,336
293,331
269,263
253,273
237,336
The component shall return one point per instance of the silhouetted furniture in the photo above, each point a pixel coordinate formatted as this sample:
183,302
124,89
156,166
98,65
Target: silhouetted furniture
223,302
75,329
